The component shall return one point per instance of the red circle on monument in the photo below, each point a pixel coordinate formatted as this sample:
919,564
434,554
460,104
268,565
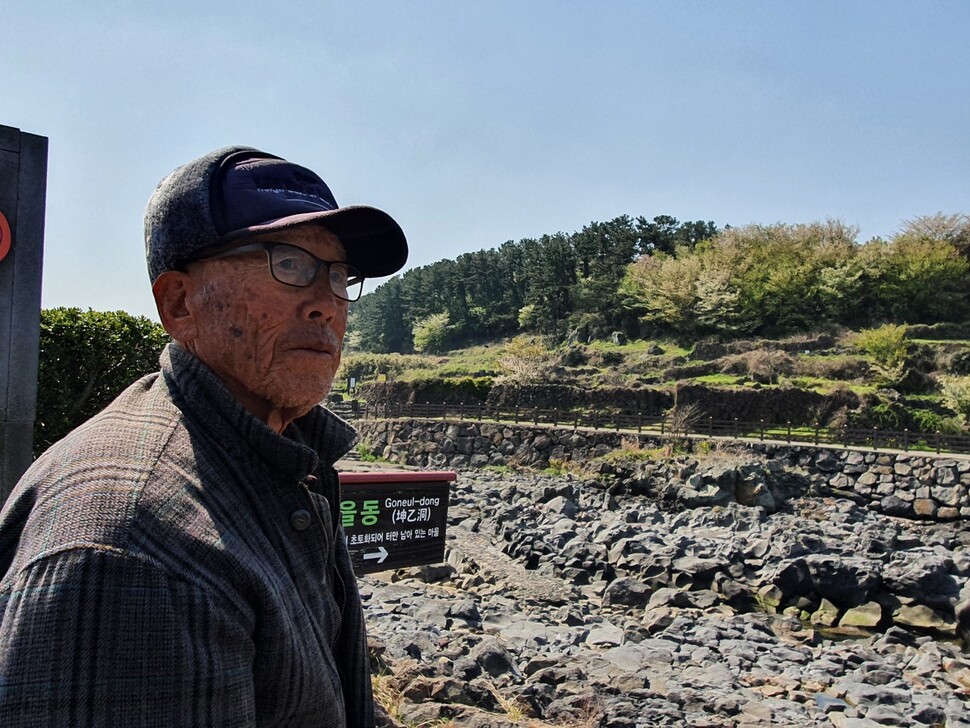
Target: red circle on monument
5,238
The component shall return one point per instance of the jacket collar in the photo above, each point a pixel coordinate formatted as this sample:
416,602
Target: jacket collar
319,438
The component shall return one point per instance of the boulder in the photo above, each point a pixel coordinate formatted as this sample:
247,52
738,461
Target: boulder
867,615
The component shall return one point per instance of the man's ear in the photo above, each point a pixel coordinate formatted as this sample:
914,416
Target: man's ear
171,290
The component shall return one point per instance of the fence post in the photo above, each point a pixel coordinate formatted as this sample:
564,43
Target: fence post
576,421
663,424
788,437
816,433
937,442
516,413
905,439
710,426
875,438
735,426
761,431
461,411
639,422
535,416
555,416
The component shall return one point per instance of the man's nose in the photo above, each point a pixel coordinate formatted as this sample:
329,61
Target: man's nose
321,302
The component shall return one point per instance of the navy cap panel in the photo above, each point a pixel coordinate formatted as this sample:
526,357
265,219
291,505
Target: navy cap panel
258,190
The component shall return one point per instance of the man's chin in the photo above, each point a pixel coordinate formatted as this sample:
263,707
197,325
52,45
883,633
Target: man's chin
306,398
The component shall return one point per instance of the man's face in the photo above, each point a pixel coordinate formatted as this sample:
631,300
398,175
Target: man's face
277,347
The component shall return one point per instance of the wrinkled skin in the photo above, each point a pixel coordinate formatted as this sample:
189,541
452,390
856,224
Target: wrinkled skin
276,347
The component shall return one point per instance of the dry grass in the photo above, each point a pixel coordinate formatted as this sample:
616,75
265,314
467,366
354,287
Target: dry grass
563,467
760,365
388,696
631,449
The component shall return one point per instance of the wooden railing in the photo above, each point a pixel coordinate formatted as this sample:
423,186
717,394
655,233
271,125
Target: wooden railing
665,425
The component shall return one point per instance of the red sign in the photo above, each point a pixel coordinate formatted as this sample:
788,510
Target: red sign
6,240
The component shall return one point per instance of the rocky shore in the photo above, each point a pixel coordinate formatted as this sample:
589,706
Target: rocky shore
634,599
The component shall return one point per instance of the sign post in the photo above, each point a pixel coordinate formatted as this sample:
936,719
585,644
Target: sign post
23,193
394,518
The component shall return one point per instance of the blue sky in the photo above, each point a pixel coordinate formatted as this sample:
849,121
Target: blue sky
477,123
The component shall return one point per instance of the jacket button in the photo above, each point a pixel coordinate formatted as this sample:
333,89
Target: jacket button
300,520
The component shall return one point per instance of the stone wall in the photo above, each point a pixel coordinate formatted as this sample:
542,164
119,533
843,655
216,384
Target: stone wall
773,405
909,485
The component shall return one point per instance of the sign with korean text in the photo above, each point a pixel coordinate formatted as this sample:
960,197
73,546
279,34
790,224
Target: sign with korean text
394,518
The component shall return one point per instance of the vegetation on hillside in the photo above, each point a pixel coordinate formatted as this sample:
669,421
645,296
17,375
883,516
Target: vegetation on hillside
670,279
547,286
912,377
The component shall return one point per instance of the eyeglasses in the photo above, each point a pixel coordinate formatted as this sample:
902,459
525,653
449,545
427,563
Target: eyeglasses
294,266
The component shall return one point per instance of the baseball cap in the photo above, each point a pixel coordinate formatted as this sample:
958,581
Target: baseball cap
236,192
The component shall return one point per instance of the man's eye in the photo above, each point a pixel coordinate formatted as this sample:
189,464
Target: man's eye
289,262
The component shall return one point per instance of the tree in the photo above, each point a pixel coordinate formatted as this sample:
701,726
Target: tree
551,267
431,334
86,359
663,290
603,252
923,280
377,322
953,229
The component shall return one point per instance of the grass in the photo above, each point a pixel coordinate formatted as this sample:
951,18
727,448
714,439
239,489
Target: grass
472,361
722,380
938,342
639,346
606,364
563,467
366,453
631,450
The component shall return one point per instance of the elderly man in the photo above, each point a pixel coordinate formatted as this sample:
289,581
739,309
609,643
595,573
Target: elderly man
177,560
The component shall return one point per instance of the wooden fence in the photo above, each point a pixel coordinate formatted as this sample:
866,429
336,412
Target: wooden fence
667,425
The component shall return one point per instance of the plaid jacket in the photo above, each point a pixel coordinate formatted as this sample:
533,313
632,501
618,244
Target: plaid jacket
174,562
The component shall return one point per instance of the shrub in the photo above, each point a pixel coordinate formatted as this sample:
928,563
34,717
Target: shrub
929,421
957,362
684,418
607,358
86,359
368,366
760,365
831,367
525,361
575,356
956,396
887,345
431,334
